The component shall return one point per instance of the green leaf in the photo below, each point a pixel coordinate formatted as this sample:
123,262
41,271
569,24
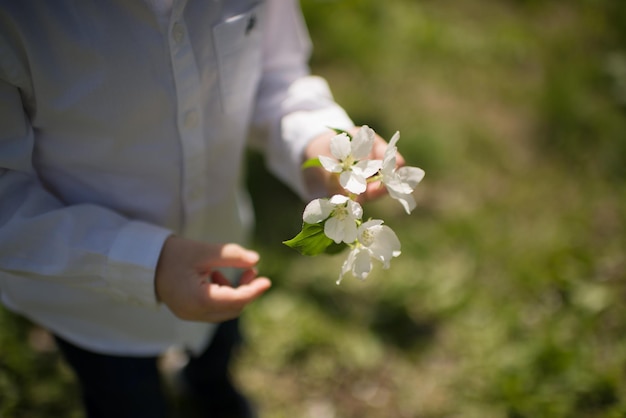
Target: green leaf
312,162
312,241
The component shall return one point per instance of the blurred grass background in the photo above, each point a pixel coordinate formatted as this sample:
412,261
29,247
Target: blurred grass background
509,297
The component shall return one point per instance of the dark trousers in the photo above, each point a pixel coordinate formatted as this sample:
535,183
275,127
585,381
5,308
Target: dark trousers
120,386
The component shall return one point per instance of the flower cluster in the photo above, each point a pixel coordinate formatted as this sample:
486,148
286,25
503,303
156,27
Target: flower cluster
331,224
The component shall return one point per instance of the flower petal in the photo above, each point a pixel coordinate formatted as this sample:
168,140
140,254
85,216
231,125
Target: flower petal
369,224
391,150
355,209
334,229
347,264
394,183
362,142
394,139
406,200
362,265
330,164
353,182
340,146
341,230
411,175
317,210
339,199
386,245
367,168
388,167
349,230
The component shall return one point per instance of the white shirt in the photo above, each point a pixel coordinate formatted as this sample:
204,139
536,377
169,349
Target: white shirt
122,122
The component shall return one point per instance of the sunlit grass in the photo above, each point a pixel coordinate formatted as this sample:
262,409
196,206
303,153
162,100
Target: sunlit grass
506,300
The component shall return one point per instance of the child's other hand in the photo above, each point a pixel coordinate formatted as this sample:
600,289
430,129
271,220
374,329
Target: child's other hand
188,282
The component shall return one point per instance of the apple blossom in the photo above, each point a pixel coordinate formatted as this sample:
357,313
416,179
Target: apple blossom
349,159
400,182
341,214
375,241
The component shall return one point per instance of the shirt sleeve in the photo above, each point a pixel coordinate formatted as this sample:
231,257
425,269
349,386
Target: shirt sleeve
79,245
293,107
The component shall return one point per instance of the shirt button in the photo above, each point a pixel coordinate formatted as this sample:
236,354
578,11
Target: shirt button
191,119
178,32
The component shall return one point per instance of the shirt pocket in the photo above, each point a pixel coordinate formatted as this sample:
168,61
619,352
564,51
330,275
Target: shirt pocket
238,44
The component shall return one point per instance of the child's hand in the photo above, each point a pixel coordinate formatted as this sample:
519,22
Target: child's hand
188,283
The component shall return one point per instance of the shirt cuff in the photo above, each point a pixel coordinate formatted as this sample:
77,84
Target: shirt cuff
132,262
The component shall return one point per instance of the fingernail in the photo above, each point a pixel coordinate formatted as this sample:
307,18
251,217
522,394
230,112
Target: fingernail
252,256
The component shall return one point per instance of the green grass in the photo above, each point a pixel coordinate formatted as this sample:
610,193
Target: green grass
509,297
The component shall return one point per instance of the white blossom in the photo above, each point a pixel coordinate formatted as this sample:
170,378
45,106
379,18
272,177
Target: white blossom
401,182
341,215
350,159
375,241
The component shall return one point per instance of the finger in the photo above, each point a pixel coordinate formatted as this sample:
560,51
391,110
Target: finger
375,190
237,252
250,291
220,303
378,149
229,300
232,255
247,276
